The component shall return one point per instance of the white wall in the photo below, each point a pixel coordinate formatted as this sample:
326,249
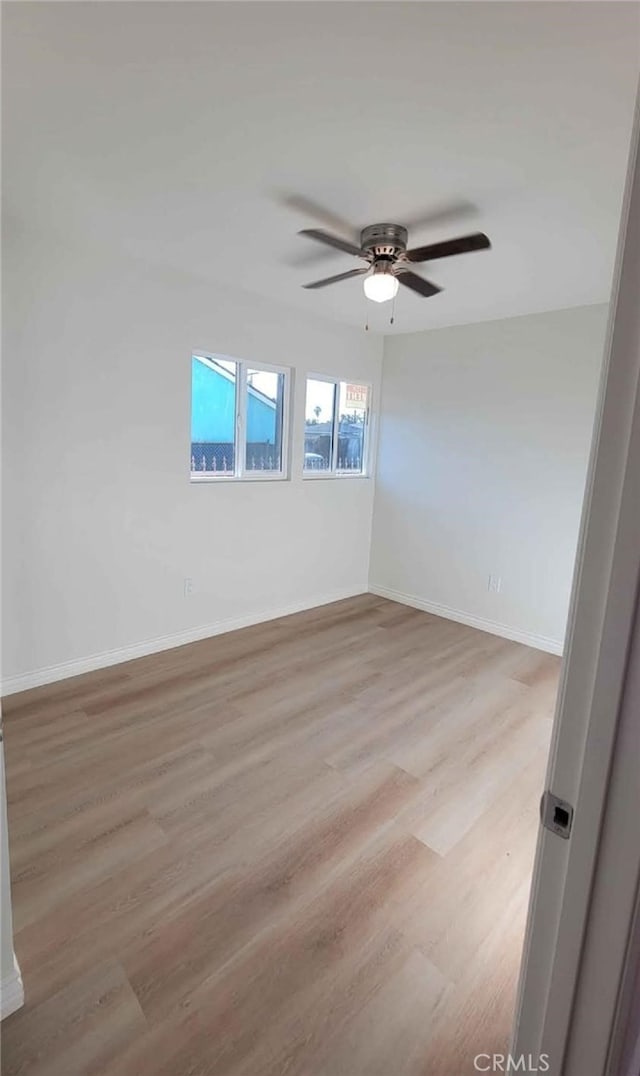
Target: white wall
101,524
482,459
484,442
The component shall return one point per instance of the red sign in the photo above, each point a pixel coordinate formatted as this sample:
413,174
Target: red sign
357,396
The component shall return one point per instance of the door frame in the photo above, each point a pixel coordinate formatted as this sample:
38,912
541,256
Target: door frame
558,1011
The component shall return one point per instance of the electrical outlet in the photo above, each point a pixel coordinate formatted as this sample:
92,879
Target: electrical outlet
494,584
188,586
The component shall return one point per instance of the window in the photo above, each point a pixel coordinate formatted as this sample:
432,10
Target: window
238,419
335,428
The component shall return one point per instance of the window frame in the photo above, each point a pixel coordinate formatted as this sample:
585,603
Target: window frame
333,472
241,473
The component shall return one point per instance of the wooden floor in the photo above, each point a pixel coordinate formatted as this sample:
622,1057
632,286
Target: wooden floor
300,848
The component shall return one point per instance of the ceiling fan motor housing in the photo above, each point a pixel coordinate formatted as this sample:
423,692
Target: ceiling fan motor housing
384,241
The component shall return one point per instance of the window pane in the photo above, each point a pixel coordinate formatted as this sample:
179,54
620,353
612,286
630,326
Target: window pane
265,405
318,426
213,416
353,403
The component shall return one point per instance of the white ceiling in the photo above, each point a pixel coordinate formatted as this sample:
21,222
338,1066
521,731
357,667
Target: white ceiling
184,133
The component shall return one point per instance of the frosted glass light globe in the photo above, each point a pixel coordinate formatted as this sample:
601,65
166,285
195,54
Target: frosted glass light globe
380,286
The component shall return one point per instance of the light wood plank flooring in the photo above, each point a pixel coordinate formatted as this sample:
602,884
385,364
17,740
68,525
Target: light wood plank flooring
300,848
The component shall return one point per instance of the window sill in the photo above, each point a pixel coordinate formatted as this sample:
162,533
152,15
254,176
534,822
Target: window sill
230,479
333,475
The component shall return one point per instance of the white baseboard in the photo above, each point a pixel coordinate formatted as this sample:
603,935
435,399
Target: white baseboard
52,673
11,992
539,642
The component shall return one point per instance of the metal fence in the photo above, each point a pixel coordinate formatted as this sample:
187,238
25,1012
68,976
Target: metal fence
219,458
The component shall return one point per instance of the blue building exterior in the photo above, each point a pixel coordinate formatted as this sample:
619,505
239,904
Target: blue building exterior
213,417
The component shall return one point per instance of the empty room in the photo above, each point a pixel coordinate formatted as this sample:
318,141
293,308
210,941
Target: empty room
306,316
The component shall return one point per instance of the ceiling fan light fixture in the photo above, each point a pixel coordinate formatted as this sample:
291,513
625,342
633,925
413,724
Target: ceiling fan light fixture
380,285
384,248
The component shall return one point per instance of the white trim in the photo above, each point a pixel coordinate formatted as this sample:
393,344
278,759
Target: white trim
51,673
11,992
313,476
529,638
248,476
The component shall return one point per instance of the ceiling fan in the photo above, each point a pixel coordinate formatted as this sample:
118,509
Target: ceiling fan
384,248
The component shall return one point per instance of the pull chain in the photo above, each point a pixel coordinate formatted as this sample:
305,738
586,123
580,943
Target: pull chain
393,312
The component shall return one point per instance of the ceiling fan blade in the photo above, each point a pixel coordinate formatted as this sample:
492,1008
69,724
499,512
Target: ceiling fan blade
417,283
478,241
443,213
327,218
334,241
335,279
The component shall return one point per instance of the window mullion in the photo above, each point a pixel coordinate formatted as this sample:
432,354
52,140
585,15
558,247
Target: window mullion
336,426
241,420
364,461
